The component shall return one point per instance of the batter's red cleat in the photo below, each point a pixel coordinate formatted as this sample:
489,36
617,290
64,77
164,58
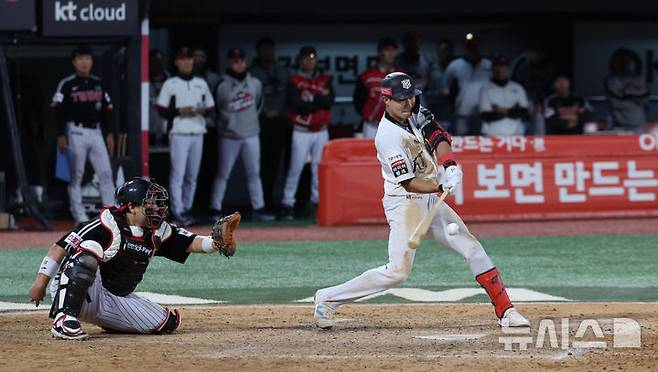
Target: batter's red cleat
66,327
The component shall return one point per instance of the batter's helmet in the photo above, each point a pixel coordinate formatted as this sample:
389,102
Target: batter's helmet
146,192
399,86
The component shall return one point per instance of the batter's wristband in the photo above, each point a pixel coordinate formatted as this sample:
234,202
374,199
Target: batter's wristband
447,160
48,267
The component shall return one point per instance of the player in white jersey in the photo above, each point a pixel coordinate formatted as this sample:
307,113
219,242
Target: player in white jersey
503,103
408,143
185,100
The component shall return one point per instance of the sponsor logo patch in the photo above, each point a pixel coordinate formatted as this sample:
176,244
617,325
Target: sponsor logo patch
73,239
184,232
399,167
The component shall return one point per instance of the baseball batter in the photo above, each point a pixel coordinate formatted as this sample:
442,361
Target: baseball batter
408,143
99,264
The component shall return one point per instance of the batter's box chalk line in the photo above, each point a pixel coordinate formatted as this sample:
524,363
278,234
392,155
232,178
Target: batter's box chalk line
159,298
459,294
452,337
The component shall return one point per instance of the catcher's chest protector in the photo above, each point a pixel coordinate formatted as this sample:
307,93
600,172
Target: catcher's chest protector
124,271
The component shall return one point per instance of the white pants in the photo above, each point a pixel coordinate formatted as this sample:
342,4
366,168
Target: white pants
131,313
369,129
403,215
229,149
303,145
88,143
185,152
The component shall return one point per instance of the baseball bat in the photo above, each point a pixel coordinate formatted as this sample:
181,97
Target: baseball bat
421,229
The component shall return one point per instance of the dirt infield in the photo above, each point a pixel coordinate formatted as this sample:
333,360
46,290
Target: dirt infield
368,337
625,226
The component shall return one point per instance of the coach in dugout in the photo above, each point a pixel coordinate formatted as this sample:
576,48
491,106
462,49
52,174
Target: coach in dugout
239,98
367,92
466,75
503,103
310,96
184,100
275,131
82,108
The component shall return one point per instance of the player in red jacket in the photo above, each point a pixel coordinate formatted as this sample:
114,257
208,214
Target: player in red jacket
367,92
310,96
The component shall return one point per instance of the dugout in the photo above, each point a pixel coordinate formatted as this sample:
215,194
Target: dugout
37,38
579,37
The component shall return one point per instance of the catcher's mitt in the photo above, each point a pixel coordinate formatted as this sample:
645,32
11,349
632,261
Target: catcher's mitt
222,234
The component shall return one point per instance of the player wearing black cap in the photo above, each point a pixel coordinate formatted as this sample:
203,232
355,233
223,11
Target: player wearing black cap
503,103
100,263
82,112
184,100
310,96
467,74
239,98
367,92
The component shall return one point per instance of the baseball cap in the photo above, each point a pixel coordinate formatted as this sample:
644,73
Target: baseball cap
500,60
308,51
235,53
471,39
399,86
81,50
184,52
387,42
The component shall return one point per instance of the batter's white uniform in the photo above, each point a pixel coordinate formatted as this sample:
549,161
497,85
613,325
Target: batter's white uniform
185,138
402,154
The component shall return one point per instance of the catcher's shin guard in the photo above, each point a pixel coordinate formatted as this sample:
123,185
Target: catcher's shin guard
493,285
78,275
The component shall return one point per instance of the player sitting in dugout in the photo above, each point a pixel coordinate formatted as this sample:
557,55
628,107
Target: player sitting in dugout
100,263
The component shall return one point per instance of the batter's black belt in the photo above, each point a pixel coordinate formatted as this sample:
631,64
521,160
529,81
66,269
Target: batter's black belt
86,125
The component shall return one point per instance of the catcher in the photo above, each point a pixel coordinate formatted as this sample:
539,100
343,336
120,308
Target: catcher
99,264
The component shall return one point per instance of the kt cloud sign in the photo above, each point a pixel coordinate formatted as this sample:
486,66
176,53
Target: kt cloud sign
89,17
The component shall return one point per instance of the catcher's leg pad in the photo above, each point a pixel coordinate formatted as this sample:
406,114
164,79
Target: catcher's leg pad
493,285
222,234
78,275
170,324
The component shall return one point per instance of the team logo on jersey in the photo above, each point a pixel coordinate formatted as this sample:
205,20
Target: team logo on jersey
406,83
419,163
242,101
399,167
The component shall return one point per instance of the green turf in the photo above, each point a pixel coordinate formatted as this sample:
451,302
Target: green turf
585,268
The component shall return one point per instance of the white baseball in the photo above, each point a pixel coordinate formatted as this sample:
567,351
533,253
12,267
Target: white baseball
452,228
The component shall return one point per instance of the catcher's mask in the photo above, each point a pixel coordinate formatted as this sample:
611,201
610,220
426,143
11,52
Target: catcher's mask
146,192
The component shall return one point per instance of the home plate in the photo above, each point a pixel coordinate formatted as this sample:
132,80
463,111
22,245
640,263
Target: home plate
453,337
